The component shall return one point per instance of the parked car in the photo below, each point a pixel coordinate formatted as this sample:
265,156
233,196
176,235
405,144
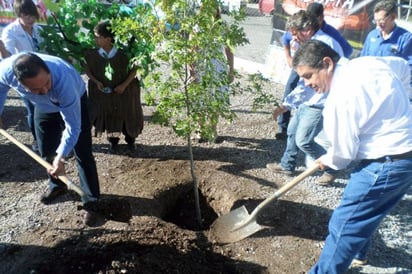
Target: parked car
267,7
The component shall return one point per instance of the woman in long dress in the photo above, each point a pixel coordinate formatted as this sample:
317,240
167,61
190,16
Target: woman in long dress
113,89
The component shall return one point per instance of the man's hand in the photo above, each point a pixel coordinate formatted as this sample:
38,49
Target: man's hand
321,165
278,111
58,167
3,51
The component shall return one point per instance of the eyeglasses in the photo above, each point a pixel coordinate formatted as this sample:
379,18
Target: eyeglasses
380,21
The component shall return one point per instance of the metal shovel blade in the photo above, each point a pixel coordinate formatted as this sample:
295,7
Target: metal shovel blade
234,226
239,224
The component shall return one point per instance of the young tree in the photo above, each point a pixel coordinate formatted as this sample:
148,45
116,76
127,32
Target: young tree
177,44
188,95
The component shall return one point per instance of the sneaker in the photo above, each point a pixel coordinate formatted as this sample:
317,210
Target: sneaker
93,219
326,179
35,146
52,194
278,169
358,262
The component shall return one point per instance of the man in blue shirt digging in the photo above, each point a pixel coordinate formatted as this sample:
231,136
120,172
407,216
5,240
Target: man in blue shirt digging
61,118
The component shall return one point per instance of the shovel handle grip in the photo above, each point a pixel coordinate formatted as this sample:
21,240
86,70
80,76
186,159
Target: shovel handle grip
286,188
43,162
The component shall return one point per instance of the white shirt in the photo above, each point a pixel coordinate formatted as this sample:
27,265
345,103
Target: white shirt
367,114
16,39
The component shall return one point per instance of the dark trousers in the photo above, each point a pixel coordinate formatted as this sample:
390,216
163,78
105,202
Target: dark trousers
284,118
49,128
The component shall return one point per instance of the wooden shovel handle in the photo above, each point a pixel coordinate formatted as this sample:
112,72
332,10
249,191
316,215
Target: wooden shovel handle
44,163
286,188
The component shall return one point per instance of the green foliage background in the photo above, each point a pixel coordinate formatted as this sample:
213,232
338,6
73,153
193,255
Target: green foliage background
165,40
69,31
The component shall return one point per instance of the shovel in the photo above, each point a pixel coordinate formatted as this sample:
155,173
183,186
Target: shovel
113,209
239,224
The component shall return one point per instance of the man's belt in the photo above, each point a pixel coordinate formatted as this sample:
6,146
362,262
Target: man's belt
388,158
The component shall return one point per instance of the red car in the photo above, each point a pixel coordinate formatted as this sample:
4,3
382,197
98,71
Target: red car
267,7
340,16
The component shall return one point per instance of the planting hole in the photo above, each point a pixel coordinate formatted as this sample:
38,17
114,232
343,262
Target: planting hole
183,212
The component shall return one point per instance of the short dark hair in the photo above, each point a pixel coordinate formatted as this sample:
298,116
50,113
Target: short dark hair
28,65
104,29
315,8
25,7
311,54
388,6
301,20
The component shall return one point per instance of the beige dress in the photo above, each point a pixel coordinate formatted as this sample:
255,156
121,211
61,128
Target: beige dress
113,113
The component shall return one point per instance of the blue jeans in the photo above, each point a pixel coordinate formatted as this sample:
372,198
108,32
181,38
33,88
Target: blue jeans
302,130
284,118
30,116
372,191
49,129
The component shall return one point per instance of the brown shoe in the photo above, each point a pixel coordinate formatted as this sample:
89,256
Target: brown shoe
326,179
93,219
278,169
52,194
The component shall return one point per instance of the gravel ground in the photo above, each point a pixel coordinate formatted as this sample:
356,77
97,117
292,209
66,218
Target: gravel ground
392,242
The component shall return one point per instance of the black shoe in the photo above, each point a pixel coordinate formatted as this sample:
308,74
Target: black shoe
113,146
281,135
93,219
114,141
52,194
131,146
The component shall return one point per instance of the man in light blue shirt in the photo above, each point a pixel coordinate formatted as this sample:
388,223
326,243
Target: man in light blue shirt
306,123
290,46
61,117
